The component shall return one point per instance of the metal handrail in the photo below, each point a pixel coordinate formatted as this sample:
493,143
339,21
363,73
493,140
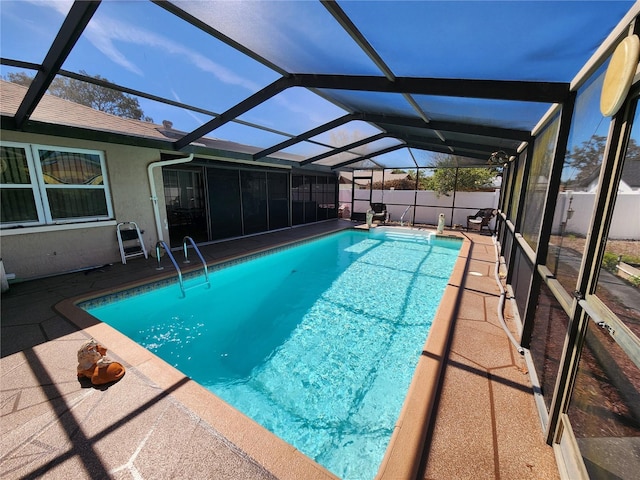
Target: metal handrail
186,256
173,260
402,216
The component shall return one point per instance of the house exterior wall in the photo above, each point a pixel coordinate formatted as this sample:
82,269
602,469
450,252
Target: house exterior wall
43,250
33,252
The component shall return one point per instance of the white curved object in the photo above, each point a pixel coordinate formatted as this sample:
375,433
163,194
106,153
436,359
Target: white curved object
620,72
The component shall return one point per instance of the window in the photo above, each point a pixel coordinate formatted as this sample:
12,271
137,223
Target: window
49,185
19,191
604,408
538,182
604,396
580,175
517,186
619,275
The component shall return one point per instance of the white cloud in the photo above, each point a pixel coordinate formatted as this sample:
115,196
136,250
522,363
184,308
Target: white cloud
114,36
104,32
193,115
101,36
60,6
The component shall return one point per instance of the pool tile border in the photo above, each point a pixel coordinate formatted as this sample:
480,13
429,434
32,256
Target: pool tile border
121,294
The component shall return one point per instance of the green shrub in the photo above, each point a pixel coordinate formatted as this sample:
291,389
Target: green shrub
631,259
610,261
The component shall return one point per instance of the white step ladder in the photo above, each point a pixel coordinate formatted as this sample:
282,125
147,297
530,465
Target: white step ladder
130,241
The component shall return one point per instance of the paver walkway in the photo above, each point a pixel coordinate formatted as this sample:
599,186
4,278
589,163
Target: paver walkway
487,426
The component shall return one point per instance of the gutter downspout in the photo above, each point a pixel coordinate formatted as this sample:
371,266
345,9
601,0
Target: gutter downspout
152,187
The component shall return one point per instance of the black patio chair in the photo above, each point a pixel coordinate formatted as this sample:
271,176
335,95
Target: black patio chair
380,212
481,219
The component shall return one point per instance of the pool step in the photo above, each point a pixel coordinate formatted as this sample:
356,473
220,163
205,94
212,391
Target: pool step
414,237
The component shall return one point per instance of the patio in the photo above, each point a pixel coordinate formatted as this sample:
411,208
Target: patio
156,423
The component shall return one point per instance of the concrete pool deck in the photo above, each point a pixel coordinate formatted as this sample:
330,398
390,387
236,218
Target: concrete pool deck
156,423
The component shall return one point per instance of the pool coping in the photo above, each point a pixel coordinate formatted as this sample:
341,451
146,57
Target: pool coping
405,450
404,454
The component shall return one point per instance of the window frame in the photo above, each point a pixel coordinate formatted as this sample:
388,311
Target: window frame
34,186
40,189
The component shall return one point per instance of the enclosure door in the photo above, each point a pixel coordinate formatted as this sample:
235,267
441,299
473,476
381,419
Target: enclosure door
186,206
361,199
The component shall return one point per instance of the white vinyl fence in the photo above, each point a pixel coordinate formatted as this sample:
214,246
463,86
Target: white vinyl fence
625,225
626,218
428,206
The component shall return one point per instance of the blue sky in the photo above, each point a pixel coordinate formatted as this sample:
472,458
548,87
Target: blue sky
164,56
141,46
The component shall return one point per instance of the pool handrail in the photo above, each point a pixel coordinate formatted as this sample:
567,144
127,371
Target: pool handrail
162,244
402,216
186,256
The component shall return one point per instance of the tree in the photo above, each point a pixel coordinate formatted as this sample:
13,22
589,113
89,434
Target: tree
445,180
447,177
90,95
398,184
21,78
422,179
584,161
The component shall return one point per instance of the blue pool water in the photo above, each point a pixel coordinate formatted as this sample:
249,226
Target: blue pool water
318,343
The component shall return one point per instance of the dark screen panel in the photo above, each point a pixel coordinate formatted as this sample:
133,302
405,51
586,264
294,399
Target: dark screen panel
224,203
277,186
332,201
254,201
311,205
507,246
522,275
550,325
321,198
297,199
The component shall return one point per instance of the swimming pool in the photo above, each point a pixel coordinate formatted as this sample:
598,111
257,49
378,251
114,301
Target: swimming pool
353,305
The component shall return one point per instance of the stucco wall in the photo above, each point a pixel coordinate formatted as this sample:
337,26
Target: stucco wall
29,255
46,250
